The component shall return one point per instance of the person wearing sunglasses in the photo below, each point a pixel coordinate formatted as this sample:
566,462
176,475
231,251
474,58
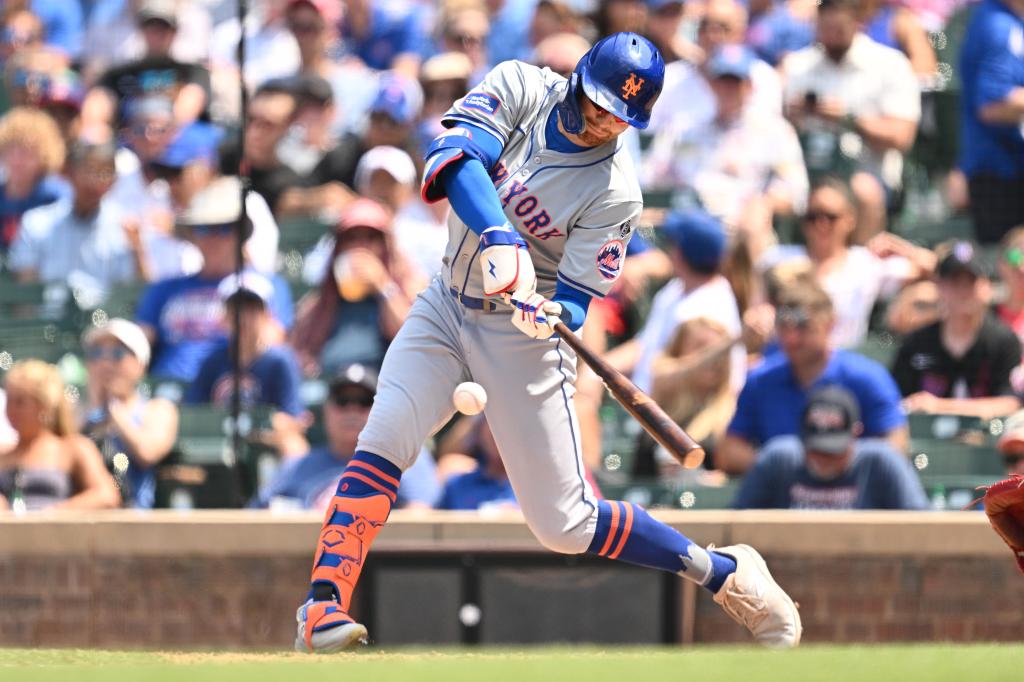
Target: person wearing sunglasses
855,277
133,432
183,317
308,482
776,391
963,364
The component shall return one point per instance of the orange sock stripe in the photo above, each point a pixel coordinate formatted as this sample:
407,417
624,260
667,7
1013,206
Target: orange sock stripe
370,482
614,526
375,471
627,526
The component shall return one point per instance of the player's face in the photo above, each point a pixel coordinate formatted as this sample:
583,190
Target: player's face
601,126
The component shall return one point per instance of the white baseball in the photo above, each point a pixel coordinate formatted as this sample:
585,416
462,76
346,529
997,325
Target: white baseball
469,398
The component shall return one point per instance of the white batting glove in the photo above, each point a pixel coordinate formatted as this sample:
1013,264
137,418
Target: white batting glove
535,315
505,261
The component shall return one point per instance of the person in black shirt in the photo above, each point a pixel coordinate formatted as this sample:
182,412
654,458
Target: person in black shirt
961,364
155,74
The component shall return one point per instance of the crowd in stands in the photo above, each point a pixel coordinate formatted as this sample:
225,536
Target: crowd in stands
817,284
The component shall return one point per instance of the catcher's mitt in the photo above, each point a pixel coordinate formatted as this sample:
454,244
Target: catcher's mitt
1004,505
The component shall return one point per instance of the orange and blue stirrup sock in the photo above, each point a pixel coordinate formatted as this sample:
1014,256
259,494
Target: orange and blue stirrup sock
628,533
360,506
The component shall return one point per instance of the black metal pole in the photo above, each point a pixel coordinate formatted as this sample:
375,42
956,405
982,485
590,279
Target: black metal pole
237,440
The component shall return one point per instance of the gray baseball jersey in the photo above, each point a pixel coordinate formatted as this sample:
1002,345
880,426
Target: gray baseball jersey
577,211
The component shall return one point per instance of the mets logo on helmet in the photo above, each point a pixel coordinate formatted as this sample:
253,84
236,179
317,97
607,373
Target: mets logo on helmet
609,259
631,86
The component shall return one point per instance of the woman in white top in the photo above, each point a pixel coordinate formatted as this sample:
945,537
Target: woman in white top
856,277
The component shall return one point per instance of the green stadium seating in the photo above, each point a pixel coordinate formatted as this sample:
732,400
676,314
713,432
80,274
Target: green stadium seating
301,234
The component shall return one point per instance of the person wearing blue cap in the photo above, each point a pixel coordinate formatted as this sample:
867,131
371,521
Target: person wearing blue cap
744,164
697,248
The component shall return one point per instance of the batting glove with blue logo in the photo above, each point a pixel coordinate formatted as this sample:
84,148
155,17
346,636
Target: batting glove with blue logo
535,315
506,263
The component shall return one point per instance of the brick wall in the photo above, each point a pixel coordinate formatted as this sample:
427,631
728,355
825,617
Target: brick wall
235,581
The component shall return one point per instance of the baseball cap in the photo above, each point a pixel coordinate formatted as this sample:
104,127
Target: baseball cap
82,150
365,213
64,88
731,60
1013,431
311,89
330,10
129,334
354,375
700,237
393,160
158,10
829,422
249,284
195,142
146,107
446,66
219,203
398,97
962,256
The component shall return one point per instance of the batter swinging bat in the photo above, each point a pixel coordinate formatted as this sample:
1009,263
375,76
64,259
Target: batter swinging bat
650,415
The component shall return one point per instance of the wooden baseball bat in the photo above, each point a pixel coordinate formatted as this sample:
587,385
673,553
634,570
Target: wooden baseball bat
650,415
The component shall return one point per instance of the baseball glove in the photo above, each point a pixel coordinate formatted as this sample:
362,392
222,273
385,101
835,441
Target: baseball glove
1004,505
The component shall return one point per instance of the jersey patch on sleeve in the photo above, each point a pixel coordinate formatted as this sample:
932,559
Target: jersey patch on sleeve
609,259
481,101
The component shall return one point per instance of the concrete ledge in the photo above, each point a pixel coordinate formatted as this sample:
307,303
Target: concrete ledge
256,533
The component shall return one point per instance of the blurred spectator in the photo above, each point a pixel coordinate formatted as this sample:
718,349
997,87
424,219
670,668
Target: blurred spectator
63,24
687,99
183,317
362,299
52,466
992,117
155,73
1011,444
271,111
270,48
309,482
916,306
690,381
134,433
1011,273
22,30
855,103
8,436
551,17
961,364
80,240
889,23
775,393
744,164
465,30
698,246
560,52
115,34
29,73
387,175
315,27
759,319
828,467
613,16
778,27
487,485
270,373
855,277
62,100
510,29
32,154
664,19
444,78
385,35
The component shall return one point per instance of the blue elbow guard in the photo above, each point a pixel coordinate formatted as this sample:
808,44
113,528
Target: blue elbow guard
446,149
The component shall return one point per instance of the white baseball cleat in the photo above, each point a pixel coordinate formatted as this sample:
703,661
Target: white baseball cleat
324,628
753,599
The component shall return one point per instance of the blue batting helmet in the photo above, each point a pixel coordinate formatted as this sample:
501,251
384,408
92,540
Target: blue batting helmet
622,74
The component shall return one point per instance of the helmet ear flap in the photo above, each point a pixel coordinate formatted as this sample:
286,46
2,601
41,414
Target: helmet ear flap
569,108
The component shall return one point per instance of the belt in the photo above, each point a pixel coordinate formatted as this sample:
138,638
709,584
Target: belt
474,303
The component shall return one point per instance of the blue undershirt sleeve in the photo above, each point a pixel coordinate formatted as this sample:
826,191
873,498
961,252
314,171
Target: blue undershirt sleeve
468,186
574,305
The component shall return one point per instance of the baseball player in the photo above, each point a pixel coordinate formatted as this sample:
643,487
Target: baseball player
544,201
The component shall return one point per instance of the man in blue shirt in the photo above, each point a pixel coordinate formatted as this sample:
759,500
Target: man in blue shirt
774,396
487,486
992,122
827,467
183,317
309,482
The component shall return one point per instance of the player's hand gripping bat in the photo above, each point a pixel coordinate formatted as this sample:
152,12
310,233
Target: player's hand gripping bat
650,415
